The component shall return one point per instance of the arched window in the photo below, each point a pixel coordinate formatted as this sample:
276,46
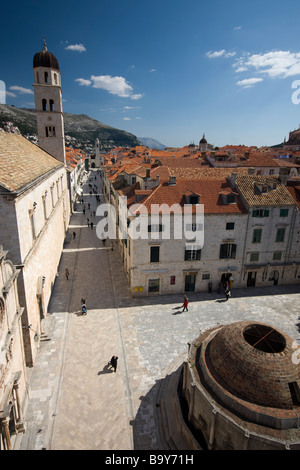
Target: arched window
44,104
53,131
46,77
46,129
37,78
51,104
55,78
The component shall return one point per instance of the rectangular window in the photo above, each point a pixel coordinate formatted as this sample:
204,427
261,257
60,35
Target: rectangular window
260,213
205,276
295,394
256,238
44,207
194,227
194,199
192,252
230,226
284,213
155,228
280,235
153,285
32,224
254,257
172,280
227,250
154,254
277,255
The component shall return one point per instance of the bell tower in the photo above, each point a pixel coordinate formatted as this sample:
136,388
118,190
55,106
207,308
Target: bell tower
48,104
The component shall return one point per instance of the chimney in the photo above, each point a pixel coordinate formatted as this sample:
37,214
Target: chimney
233,178
172,181
147,172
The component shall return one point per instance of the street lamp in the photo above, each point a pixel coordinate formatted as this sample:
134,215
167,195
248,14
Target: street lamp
36,336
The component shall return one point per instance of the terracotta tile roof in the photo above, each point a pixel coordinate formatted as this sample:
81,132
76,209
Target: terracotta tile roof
22,162
247,187
208,189
206,172
295,193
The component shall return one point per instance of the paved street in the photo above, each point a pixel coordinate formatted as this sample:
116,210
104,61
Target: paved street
75,400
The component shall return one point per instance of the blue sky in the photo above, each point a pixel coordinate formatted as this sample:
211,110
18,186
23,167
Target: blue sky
168,69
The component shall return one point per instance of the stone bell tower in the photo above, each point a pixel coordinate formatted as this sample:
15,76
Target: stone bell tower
48,104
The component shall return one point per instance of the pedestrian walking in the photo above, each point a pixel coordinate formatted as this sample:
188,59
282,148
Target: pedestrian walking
67,274
227,293
114,362
88,222
83,210
74,235
92,225
83,309
83,301
112,246
185,303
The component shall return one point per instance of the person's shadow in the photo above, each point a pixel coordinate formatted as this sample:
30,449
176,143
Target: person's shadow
106,370
177,308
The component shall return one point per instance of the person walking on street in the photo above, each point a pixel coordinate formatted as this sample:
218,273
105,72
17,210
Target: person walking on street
114,362
227,293
83,309
88,222
67,274
185,303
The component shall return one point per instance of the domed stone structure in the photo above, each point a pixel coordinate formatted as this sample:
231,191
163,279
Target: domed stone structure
241,387
44,58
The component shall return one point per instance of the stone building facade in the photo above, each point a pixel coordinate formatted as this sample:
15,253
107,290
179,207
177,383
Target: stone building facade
13,379
34,203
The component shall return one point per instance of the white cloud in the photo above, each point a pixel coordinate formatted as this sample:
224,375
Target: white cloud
152,70
236,28
21,90
241,69
249,82
213,55
280,64
9,93
76,47
83,81
127,119
114,85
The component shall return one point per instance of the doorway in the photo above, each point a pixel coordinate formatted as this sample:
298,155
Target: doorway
274,276
190,282
251,279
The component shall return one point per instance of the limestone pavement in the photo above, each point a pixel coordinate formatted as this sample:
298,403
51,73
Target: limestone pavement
76,402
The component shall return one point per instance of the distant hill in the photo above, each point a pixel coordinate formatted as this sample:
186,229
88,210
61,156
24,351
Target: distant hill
151,143
79,126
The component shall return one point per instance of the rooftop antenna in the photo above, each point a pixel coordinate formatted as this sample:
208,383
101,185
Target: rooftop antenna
45,44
